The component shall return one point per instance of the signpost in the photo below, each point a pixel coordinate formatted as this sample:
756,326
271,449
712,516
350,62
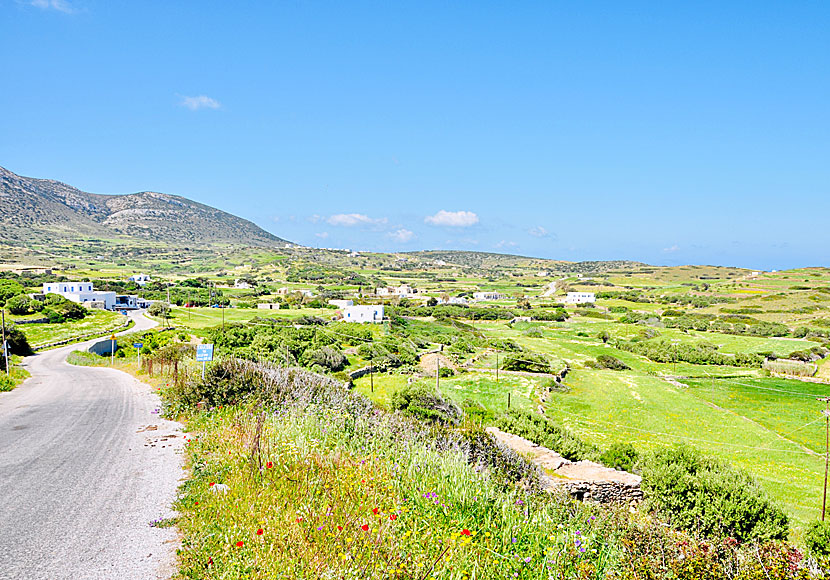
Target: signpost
137,346
112,350
204,354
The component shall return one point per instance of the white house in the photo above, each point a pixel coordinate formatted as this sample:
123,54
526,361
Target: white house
403,291
240,283
341,303
487,296
82,293
580,298
140,279
362,313
453,300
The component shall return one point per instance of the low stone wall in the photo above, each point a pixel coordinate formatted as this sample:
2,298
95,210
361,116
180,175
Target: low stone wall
362,372
600,491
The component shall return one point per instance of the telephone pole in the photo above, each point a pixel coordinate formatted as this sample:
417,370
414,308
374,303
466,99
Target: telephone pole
826,412
5,346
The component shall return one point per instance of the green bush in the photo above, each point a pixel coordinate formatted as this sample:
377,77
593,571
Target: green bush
17,342
606,361
543,431
527,362
21,305
6,382
9,288
326,357
159,309
620,456
424,403
705,496
817,540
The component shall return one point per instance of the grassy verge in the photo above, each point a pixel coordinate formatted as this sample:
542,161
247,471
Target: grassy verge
15,377
98,322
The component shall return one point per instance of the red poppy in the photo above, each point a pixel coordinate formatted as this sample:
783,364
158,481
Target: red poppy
339,528
362,481
299,520
465,532
393,517
375,511
240,543
197,503
210,561
365,527
211,484
259,532
269,465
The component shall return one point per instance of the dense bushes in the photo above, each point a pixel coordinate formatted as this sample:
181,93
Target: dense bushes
527,362
817,540
21,305
9,288
326,358
58,309
606,361
700,494
17,343
620,456
543,431
427,404
702,353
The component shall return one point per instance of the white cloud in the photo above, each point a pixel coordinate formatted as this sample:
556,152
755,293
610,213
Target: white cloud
200,102
59,5
354,219
672,249
455,219
323,235
402,235
506,244
539,232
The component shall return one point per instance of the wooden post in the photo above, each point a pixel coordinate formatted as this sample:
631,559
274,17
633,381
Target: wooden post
826,401
5,348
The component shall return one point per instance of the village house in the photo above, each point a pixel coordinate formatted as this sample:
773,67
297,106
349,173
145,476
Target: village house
580,298
140,279
487,296
362,313
82,293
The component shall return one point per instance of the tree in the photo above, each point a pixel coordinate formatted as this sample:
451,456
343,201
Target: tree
9,288
159,309
22,304
604,336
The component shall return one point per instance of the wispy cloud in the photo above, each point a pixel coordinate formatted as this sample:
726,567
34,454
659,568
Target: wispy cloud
59,5
354,219
539,232
322,235
671,249
402,235
453,219
506,244
200,102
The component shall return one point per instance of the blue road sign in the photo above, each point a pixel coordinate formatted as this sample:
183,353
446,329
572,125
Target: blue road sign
204,352
138,344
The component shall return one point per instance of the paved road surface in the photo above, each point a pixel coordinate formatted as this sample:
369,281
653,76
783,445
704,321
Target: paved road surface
81,475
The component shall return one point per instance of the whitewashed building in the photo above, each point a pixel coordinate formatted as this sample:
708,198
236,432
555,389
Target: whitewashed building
140,279
82,293
363,313
341,303
240,283
487,296
580,298
404,290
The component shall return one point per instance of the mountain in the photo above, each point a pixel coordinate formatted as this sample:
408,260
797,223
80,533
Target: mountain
34,210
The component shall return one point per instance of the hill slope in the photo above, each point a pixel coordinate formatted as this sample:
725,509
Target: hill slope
35,209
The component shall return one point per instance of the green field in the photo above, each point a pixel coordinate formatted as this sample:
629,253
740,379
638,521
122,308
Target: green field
96,322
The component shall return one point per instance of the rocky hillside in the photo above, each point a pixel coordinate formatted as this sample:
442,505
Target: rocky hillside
34,209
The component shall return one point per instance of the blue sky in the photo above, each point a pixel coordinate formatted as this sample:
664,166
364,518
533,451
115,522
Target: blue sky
670,133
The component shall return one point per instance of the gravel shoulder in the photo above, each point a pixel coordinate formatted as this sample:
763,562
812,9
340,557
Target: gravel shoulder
86,463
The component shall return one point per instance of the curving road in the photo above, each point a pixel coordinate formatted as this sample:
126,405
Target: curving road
85,464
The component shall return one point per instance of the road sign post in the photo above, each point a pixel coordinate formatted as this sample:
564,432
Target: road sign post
137,346
204,354
112,350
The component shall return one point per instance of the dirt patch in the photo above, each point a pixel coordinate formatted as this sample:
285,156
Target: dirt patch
427,362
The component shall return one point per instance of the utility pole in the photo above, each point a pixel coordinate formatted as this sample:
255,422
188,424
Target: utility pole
5,346
497,367
826,412
437,373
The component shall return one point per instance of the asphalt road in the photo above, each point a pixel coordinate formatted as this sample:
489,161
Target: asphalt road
85,464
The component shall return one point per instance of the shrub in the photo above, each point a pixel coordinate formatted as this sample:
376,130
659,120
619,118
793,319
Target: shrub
9,288
817,539
424,403
159,309
446,372
6,382
22,304
526,361
17,342
700,494
620,456
606,361
543,431
326,357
